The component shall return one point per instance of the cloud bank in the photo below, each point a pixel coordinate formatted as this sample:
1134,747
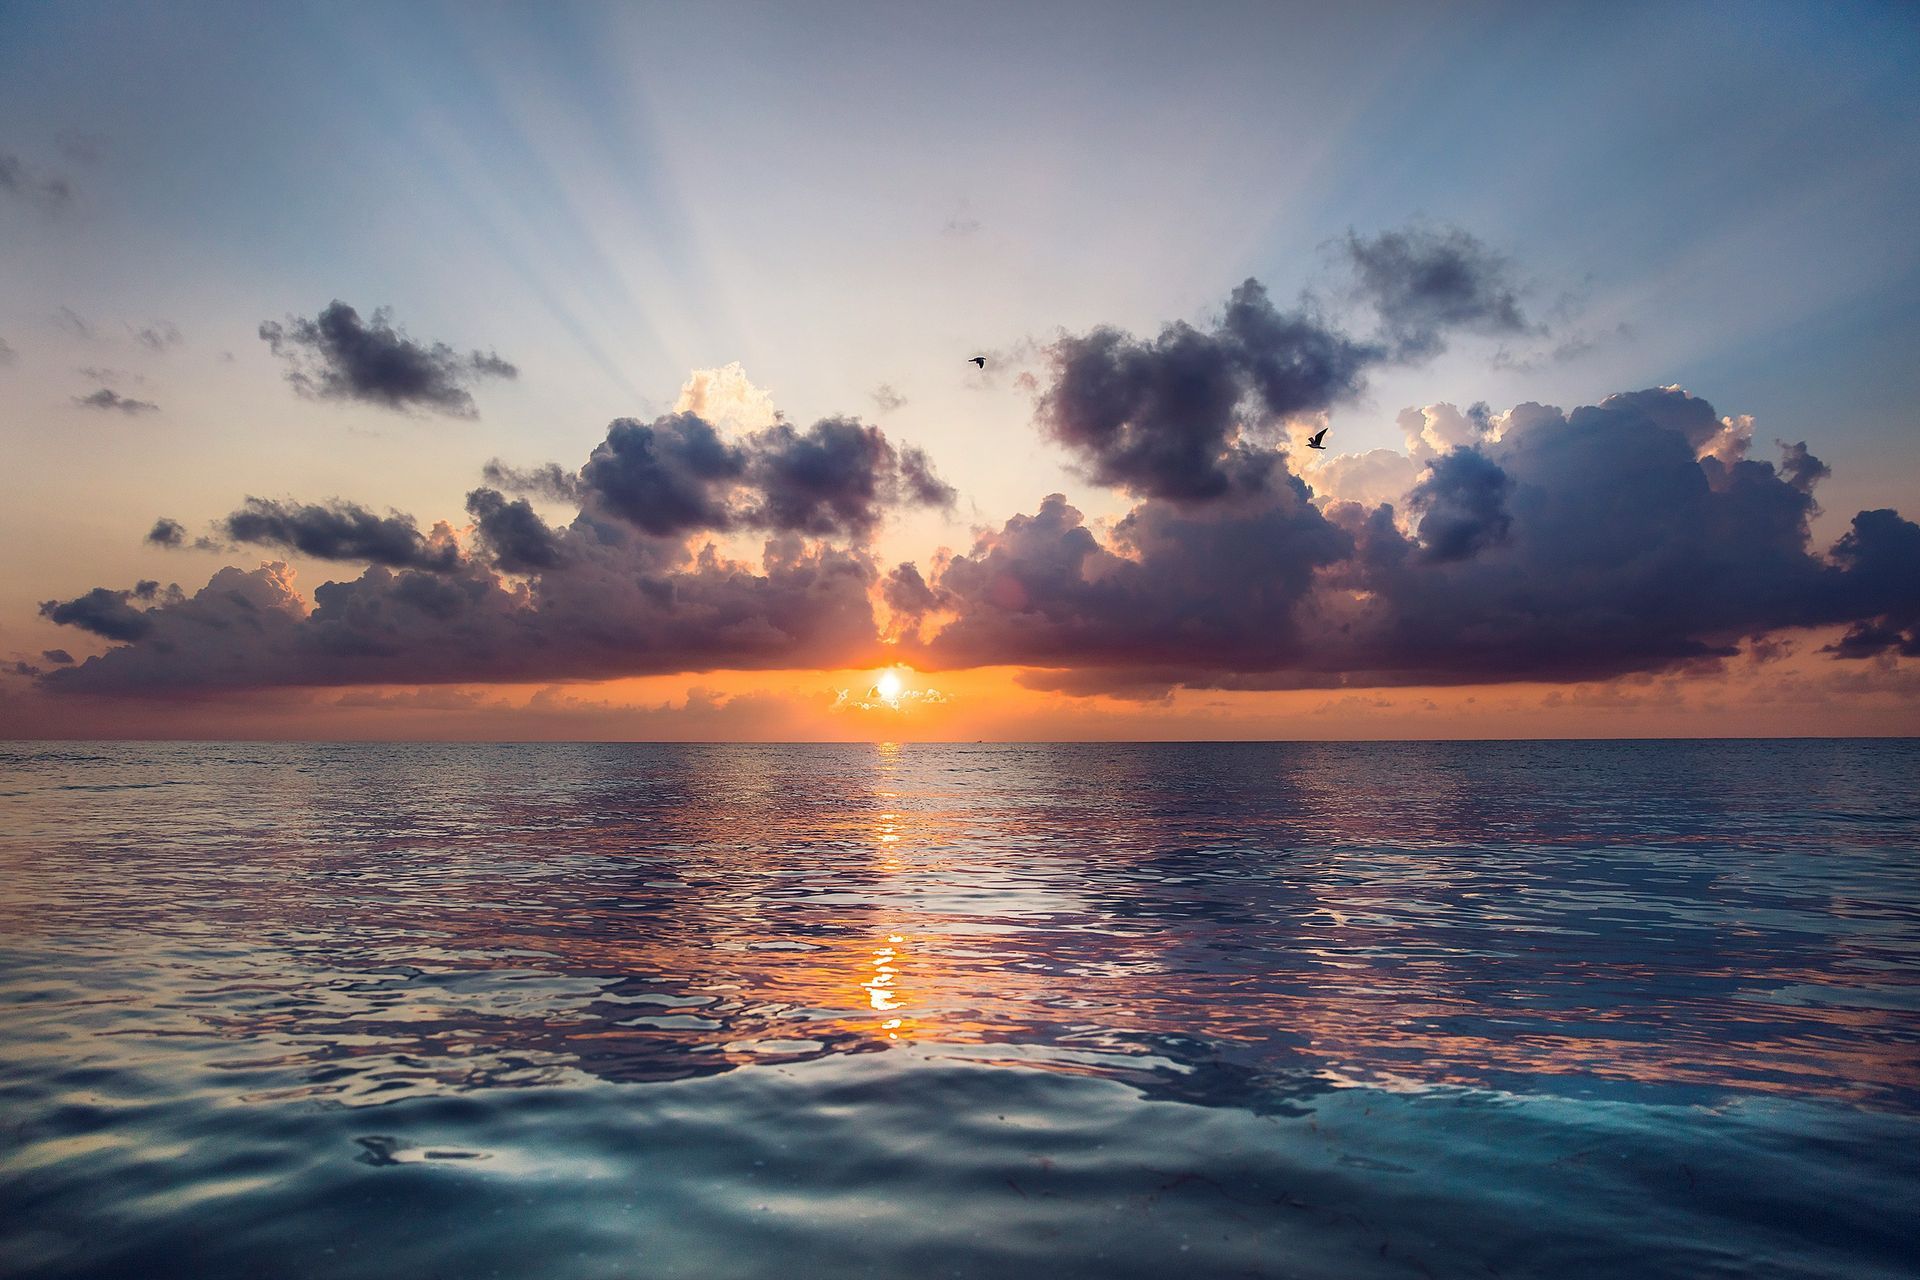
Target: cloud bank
1636,535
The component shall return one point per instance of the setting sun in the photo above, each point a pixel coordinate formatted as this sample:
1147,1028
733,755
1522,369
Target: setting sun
888,687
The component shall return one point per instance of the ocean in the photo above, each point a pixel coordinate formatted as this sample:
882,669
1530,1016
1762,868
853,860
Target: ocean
1293,1010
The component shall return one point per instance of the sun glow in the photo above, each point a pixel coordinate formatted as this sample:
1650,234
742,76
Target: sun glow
888,688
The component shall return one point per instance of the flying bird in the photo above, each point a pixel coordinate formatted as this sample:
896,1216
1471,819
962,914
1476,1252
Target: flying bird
1313,441
978,360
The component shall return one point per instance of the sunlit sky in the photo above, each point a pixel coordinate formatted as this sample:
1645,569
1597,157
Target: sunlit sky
849,201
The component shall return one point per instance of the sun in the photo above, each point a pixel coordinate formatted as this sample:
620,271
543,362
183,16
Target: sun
889,688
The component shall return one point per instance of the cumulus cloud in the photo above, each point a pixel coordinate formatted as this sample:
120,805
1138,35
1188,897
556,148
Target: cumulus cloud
627,587
1551,546
622,605
343,531
1192,413
678,474
1462,505
110,401
338,356
1168,417
727,398
520,540
105,612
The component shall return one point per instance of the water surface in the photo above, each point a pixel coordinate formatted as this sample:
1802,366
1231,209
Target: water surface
1616,1009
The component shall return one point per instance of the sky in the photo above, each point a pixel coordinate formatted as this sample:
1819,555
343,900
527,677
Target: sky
581,371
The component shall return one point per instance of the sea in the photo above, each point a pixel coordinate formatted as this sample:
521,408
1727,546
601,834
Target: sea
1519,1009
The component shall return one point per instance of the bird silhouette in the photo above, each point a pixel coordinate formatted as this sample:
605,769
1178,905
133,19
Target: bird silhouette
1313,441
978,360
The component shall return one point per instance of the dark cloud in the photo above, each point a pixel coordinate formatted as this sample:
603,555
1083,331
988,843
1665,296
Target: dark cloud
907,594
1462,505
343,531
337,356
167,533
1799,468
838,477
1175,417
616,608
1425,282
103,612
109,400
678,475
1562,546
621,590
20,180
920,486
548,480
24,669
520,540
669,477
59,657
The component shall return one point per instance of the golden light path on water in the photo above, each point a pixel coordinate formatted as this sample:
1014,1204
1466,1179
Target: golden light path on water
896,948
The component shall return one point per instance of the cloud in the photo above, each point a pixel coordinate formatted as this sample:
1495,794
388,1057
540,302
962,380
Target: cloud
1190,414
1169,417
109,400
838,477
167,533
18,179
678,475
1462,505
1425,282
158,336
520,540
72,323
1553,546
625,588
337,356
343,531
620,605
105,612
671,476
7,354
886,399
59,657
548,480
727,398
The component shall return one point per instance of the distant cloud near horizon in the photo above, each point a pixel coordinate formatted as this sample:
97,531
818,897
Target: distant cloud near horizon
338,356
